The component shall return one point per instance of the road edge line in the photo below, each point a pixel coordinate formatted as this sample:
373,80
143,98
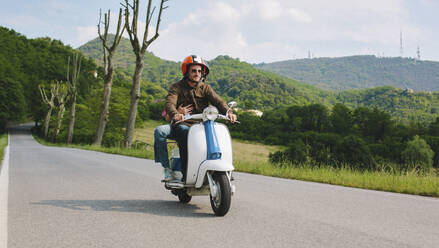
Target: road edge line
4,185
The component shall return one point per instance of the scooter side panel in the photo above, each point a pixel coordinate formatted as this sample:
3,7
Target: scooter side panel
197,149
225,142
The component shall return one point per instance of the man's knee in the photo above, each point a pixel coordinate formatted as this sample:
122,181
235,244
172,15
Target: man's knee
162,132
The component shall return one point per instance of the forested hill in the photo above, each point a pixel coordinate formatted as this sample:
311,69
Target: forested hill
359,72
231,78
27,63
403,105
256,88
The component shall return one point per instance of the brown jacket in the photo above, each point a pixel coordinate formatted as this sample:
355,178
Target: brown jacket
200,96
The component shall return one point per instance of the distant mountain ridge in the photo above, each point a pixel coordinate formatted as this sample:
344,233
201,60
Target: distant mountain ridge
360,72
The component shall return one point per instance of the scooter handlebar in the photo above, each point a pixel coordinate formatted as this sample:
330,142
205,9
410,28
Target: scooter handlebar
226,118
200,116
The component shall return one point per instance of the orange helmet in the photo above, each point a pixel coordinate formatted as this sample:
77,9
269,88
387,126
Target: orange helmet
194,60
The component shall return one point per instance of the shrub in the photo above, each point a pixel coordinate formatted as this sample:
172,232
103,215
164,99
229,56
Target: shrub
354,151
297,153
279,158
433,142
418,155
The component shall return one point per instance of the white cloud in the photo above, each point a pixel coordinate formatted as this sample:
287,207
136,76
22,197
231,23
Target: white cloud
85,34
260,30
299,15
269,10
22,21
223,12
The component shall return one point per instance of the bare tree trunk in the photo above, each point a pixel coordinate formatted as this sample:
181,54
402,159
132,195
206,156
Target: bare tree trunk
61,111
53,91
108,69
103,117
139,49
135,96
72,119
46,122
61,96
76,69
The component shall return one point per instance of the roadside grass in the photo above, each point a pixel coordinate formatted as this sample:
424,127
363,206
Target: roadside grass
138,153
408,183
252,158
3,144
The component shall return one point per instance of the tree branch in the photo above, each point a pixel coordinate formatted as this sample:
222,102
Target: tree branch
146,43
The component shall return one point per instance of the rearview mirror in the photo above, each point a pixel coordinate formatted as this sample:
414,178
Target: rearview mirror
232,104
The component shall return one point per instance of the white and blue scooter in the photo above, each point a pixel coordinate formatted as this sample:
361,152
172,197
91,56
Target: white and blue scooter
210,162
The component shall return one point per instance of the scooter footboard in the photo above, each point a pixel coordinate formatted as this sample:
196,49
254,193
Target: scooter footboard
212,165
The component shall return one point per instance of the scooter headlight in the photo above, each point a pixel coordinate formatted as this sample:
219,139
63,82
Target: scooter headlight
210,113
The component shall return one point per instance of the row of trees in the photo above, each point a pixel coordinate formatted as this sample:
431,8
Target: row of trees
61,93
363,137
139,48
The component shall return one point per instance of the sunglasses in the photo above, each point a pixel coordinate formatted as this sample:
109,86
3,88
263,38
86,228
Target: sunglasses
196,71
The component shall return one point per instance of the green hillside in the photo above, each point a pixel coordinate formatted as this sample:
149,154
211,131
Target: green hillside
231,78
360,72
256,88
403,105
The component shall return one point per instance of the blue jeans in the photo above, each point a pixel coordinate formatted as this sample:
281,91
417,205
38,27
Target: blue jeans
181,131
161,134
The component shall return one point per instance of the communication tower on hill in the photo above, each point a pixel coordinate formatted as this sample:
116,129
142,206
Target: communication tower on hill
401,49
418,53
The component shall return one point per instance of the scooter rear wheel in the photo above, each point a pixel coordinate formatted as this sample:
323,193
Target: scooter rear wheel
183,197
221,202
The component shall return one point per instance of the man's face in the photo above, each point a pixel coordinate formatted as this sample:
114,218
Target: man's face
195,72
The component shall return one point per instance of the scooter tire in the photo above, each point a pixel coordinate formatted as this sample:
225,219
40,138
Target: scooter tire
221,203
183,197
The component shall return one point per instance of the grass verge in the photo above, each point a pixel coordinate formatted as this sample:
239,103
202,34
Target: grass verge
138,153
3,144
408,183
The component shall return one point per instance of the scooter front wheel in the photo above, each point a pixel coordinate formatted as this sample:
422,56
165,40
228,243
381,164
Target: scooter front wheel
221,202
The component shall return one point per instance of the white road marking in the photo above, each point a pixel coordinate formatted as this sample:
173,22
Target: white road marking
4,183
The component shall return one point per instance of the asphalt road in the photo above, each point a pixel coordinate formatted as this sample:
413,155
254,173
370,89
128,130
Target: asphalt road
60,197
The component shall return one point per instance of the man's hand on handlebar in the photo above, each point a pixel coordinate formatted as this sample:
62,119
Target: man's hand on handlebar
232,117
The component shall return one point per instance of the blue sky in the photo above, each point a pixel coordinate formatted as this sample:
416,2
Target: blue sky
252,30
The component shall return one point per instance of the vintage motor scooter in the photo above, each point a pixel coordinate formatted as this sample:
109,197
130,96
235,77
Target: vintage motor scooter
210,163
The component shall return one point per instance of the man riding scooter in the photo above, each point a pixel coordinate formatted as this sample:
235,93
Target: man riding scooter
192,91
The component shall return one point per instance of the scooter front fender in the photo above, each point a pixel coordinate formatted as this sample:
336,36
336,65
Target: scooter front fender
212,165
